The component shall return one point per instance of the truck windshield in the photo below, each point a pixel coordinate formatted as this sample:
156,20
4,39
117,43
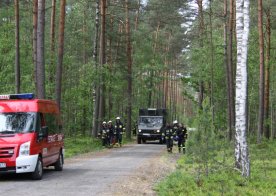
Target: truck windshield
151,121
19,122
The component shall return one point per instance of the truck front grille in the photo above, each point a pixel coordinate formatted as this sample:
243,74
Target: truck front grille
6,152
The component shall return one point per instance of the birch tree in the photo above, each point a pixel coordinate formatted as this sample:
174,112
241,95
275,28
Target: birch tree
242,28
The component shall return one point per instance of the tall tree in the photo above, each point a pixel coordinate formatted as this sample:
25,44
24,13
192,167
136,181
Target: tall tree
261,80
35,4
267,72
60,51
102,59
17,47
129,71
201,32
52,39
229,64
241,147
96,85
40,76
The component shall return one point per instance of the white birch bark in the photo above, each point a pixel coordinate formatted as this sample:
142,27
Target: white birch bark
242,26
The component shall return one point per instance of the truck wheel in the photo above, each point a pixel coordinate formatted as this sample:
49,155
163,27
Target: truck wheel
59,164
138,140
38,172
144,141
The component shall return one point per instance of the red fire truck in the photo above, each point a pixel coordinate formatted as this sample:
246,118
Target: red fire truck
30,135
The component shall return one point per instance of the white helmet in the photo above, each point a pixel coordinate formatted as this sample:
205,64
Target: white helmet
175,122
104,122
110,121
118,118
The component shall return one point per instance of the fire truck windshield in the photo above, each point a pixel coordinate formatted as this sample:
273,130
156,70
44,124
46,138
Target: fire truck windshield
19,122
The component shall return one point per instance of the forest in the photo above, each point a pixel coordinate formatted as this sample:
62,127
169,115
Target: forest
105,58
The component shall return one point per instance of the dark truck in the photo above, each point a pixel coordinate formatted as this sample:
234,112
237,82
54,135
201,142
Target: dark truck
150,124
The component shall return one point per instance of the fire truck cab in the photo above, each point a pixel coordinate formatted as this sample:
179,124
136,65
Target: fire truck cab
30,135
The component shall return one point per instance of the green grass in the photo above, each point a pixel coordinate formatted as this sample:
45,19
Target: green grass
81,144
223,179
84,144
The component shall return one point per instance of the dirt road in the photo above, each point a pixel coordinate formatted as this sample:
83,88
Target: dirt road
104,173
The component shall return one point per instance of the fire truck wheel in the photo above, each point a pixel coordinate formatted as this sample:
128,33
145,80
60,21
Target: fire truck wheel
38,172
59,164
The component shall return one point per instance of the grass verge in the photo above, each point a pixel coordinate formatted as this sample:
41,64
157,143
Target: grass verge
84,144
80,145
223,179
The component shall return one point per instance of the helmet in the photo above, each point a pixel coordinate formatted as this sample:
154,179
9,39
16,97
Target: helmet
118,118
104,122
175,122
110,121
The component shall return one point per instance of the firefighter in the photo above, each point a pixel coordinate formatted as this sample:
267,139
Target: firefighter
119,128
103,134
111,133
181,136
169,134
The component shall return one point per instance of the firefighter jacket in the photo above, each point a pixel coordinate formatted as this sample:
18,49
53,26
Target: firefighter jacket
168,133
110,130
119,128
181,133
104,133
175,128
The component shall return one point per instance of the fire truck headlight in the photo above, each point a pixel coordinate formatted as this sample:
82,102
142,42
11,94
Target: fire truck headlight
158,131
140,130
24,149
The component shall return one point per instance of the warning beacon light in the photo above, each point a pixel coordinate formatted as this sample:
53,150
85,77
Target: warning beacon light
18,96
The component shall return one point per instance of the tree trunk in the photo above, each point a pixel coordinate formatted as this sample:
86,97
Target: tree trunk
267,71
102,59
35,42
52,39
40,76
60,51
201,31
229,67
261,81
17,47
96,85
241,148
212,60
129,72
137,14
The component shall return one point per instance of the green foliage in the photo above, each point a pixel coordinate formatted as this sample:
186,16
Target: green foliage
224,180
203,143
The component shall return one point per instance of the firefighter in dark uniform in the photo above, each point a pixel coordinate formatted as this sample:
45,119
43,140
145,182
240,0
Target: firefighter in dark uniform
111,133
169,134
181,137
103,134
119,129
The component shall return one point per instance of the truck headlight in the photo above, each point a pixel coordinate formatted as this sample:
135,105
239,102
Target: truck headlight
140,130
24,149
158,131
